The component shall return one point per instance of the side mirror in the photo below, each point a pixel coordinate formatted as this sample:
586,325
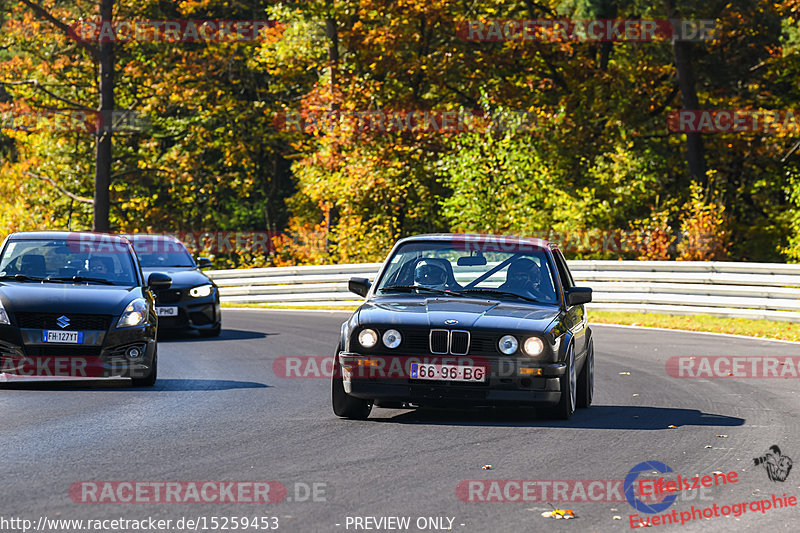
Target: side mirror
204,262
578,296
359,286
159,281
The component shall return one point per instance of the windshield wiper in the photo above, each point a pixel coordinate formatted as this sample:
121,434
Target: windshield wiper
80,279
411,288
23,277
502,293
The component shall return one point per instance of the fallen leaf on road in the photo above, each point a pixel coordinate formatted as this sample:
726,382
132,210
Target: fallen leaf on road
709,446
487,467
617,517
624,373
672,427
722,436
559,513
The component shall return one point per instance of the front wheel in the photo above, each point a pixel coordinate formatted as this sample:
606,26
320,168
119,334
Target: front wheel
566,404
344,405
586,379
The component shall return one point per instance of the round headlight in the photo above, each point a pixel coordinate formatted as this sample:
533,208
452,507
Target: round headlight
368,338
533,346
508,344
392,338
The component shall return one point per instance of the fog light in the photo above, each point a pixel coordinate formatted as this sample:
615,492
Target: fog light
134,352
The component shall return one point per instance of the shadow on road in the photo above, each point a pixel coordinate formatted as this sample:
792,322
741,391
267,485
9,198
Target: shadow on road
162,385
596,417
225,335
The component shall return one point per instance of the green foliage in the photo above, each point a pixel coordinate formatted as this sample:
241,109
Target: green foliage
599,156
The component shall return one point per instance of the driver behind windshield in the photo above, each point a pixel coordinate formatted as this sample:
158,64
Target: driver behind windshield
430,274
99,265
523,278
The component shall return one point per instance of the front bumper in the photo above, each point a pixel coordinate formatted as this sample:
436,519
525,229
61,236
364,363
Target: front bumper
511,381
194,314
102,354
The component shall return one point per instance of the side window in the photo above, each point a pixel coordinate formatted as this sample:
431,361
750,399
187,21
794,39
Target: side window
563,270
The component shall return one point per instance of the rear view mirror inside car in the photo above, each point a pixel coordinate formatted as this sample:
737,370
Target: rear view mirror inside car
472,260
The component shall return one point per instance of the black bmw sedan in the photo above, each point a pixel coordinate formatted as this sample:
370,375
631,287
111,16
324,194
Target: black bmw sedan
76,305
467,320
191,303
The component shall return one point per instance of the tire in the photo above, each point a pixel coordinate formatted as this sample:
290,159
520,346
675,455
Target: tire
566,404
344,405
213,332
586,379
150,379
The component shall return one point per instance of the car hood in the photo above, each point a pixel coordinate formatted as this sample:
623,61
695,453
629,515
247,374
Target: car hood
67,298
182,277
469,312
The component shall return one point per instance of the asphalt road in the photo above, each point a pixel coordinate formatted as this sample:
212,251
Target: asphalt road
219,412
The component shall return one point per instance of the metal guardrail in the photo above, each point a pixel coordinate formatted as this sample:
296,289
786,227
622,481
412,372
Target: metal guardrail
728,289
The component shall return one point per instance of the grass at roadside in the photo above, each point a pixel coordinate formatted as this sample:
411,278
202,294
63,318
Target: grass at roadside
767,329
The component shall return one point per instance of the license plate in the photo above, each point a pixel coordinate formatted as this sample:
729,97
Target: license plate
448,372
166,311
68,337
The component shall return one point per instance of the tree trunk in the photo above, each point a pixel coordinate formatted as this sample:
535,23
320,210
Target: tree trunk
682,50
102,175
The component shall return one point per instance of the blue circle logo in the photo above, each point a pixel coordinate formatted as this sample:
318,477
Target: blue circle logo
630,481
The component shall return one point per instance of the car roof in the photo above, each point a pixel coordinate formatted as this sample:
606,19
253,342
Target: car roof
480,237
151,237
87,235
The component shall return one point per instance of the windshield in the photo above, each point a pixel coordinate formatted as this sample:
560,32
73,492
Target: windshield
62,260
518,271
161,253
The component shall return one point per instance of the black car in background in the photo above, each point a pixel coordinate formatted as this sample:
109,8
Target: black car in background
76,305
191,303
467,320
